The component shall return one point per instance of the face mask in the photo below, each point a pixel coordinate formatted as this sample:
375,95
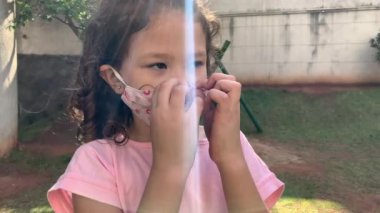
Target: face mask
139,101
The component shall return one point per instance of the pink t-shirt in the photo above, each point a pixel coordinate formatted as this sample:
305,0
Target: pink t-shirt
117,175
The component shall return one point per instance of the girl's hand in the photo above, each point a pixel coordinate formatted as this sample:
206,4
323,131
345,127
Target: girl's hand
222,127
174,136
222,118
174,128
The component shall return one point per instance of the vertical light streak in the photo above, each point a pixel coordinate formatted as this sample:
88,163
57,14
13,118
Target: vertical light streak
191,78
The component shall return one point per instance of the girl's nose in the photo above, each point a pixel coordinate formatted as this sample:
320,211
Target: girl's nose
180,74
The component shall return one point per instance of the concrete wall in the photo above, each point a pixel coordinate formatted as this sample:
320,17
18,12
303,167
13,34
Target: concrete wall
303,48
44,83
48,38
8,81
300,43
228,6
273,41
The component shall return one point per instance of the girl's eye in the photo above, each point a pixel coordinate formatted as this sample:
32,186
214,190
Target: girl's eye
158,66
199,63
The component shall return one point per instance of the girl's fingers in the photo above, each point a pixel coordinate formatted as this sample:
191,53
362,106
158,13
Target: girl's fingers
226,93
178,96
196,108
208,103
217,77
163,92
201,83
155,96
184,98
231,88
217,96
200,104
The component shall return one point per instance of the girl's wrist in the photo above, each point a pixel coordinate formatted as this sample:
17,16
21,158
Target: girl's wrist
235,166
169,172
230,160
230,152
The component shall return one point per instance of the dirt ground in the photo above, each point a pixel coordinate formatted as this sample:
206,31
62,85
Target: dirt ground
279,157
59,140
307,163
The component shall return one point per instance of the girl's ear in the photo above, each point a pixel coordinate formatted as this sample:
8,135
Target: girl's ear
108,76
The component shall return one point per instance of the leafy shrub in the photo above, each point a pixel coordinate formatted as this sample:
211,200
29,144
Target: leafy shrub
375,43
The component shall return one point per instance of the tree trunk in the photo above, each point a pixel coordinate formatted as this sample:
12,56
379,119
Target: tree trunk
8,80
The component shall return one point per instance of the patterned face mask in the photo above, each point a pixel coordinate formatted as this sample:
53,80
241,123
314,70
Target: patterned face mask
139,101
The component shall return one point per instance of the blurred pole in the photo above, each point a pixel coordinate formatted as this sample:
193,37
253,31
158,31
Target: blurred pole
8,80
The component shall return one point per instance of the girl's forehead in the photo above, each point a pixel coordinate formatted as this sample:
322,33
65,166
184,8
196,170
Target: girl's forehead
167,31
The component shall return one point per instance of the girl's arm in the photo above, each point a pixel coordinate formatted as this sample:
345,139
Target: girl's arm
86,205
222,127
174,140
239,188
163,192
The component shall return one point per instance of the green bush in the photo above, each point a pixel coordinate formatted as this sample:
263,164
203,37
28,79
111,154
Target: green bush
375,43
74,13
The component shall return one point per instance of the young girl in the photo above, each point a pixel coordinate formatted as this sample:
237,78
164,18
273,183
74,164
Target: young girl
144,151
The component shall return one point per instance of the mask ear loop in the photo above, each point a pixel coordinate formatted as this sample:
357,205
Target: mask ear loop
118,76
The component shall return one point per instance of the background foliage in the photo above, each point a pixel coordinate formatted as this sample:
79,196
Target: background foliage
74,13
375,43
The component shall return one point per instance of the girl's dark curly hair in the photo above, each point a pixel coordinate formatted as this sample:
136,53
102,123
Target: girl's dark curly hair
94,105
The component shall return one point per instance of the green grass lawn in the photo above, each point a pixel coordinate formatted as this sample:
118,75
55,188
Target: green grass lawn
340,122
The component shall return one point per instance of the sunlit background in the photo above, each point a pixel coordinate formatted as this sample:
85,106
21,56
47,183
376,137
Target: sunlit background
311,75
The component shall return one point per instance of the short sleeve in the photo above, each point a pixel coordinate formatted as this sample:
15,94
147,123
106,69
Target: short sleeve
268,185
90,174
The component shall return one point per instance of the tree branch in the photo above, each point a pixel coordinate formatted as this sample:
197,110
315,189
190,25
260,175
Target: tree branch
61,20
73,27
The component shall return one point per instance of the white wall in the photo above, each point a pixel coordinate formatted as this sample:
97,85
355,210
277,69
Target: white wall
303,48
44,38
234,6
273,41
300,46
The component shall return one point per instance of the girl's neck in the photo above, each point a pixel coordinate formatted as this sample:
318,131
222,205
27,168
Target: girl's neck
139,131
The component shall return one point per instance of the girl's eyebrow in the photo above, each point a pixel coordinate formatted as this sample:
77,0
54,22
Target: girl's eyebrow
159,55
200,54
